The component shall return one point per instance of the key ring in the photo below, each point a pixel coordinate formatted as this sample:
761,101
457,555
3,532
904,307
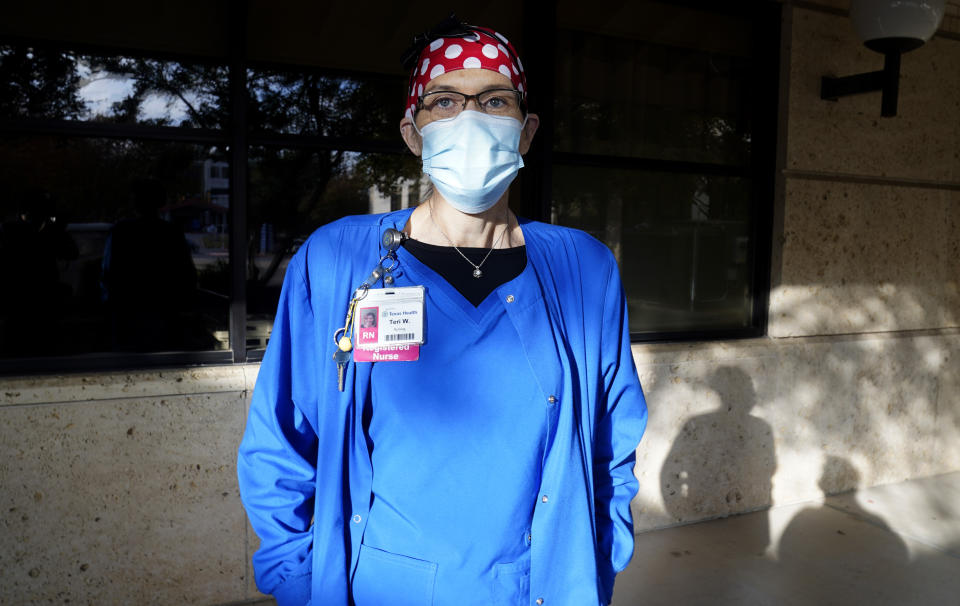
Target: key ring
361,291
390,255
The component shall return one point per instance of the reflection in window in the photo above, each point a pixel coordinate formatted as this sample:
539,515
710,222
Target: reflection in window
47,83
315,104
681,242
111,245
657,108
618,96
294,191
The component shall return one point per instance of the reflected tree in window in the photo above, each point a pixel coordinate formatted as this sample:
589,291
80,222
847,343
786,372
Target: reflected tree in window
38,84
64,85
165,93
322,147
293,190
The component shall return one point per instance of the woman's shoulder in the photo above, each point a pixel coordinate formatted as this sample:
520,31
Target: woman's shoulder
558,238
342,248
353,232
350,223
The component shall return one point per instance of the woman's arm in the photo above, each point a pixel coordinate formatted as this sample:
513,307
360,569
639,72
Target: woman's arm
276,462
621,423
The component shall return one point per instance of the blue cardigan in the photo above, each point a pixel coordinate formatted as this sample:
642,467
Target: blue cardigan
304,468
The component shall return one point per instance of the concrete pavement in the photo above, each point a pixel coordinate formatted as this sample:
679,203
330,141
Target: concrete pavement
889,545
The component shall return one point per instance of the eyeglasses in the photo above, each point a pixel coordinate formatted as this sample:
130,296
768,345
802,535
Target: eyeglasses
442,104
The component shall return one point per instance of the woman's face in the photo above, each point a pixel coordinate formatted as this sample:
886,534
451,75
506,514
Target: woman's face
470,82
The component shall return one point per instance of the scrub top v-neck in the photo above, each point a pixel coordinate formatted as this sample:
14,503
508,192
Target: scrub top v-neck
457,441
456,265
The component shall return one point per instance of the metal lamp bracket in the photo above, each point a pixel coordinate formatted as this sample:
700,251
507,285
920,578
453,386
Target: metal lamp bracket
886,80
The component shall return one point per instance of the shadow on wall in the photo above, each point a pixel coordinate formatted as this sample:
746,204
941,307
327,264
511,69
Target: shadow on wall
721,462
740,426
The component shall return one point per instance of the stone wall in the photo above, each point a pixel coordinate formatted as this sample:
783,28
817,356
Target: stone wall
120,488
741,426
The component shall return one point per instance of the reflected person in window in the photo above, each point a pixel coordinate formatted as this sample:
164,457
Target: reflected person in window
148,277
497,466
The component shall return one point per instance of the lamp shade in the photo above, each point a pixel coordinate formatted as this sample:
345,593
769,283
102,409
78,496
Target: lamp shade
895,25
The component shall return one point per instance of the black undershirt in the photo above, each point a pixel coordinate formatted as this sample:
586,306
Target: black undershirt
503,265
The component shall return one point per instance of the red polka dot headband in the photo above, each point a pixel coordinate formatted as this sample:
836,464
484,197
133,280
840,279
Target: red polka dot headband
481,48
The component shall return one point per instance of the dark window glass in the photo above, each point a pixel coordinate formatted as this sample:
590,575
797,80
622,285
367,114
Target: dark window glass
111,245
294,191
627,97
681,242
654,154
54,84
304,103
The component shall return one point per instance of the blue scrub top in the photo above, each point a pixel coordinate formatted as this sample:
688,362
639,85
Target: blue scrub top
304,467
456,464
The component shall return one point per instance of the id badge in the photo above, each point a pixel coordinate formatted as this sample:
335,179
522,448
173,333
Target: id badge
389,325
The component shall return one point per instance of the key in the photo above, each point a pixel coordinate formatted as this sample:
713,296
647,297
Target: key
348,322
341,358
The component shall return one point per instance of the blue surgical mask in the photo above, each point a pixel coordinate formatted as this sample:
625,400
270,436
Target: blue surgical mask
472,158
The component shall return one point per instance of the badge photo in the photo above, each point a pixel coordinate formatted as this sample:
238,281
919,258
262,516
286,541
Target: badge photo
367,332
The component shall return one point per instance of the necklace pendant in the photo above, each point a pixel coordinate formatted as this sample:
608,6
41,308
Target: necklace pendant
476,272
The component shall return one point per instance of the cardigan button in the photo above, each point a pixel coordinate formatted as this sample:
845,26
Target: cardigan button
552,399
539,601
357,518
543,499
510,299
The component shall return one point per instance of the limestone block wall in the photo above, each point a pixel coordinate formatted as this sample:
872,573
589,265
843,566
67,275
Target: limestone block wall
741,426
120,488
871,209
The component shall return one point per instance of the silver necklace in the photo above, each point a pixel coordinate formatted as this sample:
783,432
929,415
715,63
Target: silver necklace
476,267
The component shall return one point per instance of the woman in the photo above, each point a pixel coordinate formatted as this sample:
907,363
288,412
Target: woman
489,459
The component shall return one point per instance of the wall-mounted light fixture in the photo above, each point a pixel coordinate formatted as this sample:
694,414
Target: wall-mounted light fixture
890,27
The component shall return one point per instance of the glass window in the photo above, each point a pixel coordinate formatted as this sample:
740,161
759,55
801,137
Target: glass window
681,241
55,84
111,245
655,154
114,237
294,191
